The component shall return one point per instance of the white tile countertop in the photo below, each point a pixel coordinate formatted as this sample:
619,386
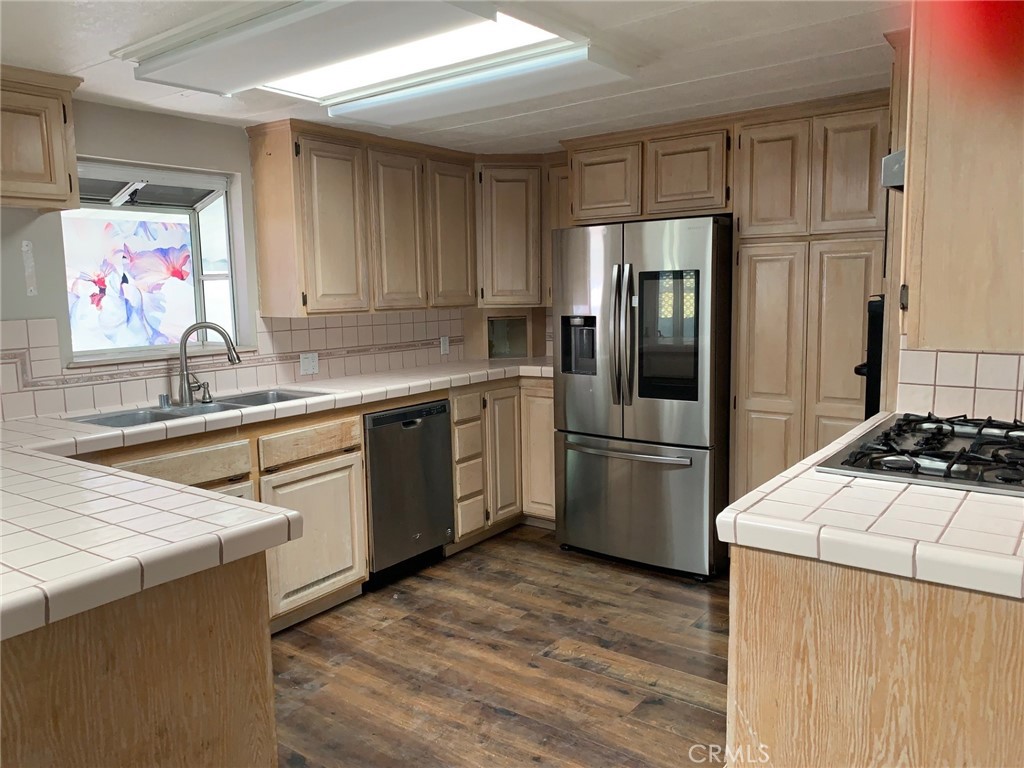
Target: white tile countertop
74,536
965,539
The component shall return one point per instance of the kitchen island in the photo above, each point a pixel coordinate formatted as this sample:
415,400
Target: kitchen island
858,639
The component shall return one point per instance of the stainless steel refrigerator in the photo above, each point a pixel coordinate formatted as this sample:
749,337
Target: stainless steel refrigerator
641,319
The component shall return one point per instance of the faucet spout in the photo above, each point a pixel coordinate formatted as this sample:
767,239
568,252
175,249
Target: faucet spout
184,385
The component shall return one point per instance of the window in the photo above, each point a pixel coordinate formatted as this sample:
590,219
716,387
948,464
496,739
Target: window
147,255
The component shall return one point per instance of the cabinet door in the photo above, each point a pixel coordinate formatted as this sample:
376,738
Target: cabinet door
768,363
538,435
842,275
556,216
396,237
332,551
606,182
334,210
33,160
504,489
685,174
451,234
772,179
510,236
846,191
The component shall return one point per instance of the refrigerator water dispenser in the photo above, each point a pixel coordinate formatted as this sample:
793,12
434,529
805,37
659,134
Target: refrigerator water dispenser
578,344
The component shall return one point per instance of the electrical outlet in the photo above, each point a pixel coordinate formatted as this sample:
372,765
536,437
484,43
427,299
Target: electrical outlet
309,363
444,345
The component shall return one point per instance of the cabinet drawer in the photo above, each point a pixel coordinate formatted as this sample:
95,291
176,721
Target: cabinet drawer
299,444
468,441
466,407
470,516
469,478
196,466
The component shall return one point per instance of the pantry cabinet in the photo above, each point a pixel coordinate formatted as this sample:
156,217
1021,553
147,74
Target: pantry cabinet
397,242
538,439
38,166
504,462
331,554
773,179
557,215
685,173
451,234
846,161
510,236
605,182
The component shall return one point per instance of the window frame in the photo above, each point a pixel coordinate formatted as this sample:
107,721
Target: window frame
200,342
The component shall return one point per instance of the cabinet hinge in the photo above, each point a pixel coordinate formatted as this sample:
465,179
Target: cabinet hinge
728,141
904,297
737,223
297,149
304,299
739,141
71,184
734,402
480,177
572,209
481,292
64,111
484,406
728,191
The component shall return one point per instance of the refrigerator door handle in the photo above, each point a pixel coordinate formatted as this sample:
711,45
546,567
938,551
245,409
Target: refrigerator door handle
628,345
613,334
680,461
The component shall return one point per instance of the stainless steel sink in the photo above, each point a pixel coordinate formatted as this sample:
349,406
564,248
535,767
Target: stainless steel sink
266,397
153,415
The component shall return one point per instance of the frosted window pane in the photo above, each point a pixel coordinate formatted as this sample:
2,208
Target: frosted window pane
218,307
213,237
129,276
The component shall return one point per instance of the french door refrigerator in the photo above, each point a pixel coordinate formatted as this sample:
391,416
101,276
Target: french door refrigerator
641,317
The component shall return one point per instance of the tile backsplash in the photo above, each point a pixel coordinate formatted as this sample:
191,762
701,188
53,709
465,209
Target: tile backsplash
977,384
33,381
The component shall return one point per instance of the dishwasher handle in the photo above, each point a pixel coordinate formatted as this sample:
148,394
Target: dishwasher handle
411,423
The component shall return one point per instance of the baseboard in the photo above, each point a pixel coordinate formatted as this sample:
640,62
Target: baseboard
486,533
539,522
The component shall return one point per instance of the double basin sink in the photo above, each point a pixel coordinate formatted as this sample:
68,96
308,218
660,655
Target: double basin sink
153,415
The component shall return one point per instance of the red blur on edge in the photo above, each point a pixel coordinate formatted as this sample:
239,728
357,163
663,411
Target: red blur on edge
980,38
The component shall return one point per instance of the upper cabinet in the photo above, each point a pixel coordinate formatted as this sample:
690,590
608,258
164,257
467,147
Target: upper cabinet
38,167
510,238
685,173
451,234
556,215
340,227
772,180
396,231
605,182
846,160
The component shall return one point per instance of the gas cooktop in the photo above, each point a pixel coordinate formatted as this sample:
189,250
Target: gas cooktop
966,454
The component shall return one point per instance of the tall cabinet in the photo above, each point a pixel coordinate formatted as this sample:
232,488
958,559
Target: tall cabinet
810,249
510,235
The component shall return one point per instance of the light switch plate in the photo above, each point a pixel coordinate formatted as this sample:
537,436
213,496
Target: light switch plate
444,345
309,363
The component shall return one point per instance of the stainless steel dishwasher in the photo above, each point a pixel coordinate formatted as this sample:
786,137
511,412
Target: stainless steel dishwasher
409,469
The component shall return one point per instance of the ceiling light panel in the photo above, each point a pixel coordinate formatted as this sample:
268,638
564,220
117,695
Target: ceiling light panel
473,45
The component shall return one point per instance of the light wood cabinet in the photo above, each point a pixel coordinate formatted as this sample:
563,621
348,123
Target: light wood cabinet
468,459
510,238
331,554
557,215
538,438
396,232
846,163
605,182
772,179
842,275
685,173
38,166
964,196
504,463
769,361
195,466
451,234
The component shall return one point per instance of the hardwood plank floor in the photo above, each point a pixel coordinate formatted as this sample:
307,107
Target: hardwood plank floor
510,653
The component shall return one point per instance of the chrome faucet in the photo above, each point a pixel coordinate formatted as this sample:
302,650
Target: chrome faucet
186,387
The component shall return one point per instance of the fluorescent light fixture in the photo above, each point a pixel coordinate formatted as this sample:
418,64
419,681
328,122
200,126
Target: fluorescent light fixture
476,44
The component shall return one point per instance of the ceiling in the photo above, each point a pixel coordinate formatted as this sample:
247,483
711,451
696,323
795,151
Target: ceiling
687,60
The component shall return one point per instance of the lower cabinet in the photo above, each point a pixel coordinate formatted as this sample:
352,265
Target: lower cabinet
538,437
504,465
331,554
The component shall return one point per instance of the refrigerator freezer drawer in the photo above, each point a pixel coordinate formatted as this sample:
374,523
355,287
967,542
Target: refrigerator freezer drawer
641,502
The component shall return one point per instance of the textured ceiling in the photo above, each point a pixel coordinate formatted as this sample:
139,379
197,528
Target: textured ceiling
690,60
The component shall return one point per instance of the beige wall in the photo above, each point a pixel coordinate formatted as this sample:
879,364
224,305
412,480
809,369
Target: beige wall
130,135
